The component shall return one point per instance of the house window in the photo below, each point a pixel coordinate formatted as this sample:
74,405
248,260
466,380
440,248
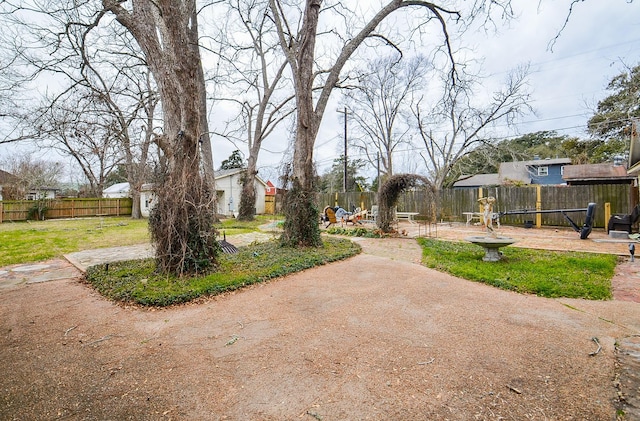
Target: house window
562,170
543,171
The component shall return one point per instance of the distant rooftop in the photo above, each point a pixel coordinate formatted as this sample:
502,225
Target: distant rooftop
478,180
594,172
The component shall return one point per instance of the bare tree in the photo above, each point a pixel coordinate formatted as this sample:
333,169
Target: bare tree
298,31
380,105
116,74
253,80
457,124
166,32
77,127
31,174
100,76
181,221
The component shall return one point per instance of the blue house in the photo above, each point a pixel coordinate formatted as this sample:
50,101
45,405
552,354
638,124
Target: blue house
537,171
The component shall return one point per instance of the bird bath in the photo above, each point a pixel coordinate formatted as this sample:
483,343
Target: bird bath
491,246
490,242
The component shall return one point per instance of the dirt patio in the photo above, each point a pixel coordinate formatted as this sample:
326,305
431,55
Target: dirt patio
374,337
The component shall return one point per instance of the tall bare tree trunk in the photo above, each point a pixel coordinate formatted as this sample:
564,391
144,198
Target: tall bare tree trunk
247,209
181,221
301,225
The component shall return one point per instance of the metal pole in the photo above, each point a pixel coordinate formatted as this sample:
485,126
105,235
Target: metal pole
344,181
378,169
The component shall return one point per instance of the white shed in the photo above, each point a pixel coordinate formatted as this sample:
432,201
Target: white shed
116,191
147,198
228,189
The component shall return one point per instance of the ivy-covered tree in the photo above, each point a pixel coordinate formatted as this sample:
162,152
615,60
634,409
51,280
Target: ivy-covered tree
315,74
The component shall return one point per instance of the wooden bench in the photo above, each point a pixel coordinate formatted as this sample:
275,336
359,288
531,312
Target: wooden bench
407,215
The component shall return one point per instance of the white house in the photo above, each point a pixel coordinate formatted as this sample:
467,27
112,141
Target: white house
41,193
116,191
147,198
228,189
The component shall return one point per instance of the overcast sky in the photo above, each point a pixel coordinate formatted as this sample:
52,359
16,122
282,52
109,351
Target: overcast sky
566,82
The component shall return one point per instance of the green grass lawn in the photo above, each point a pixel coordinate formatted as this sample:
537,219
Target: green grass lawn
232,226
32,241
544,273
137,281
540,272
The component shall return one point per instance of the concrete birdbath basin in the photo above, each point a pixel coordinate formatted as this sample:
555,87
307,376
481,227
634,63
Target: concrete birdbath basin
491,246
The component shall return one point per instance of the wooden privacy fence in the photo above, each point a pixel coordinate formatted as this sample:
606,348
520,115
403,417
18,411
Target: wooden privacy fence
453,202
21,210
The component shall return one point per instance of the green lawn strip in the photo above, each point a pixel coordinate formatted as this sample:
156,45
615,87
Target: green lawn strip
33,241
24,242
541,272
357,231
137,282
232,226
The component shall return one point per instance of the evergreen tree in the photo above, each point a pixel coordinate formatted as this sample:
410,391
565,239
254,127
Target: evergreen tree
614,114
234,161
331,181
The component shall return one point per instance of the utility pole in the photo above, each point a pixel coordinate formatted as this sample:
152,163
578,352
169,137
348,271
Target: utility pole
378,168
344,178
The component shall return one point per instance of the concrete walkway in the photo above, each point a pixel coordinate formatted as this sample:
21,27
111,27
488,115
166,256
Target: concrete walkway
75,264
33,273
84,259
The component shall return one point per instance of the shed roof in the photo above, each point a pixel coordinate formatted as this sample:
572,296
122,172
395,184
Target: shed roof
218,174
478,180
605,171
517,171
117,188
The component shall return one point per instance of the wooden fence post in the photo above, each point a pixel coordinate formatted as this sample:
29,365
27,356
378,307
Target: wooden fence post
607,213
538,206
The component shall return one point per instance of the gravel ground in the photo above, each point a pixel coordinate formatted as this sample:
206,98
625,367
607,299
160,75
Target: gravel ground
374,337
